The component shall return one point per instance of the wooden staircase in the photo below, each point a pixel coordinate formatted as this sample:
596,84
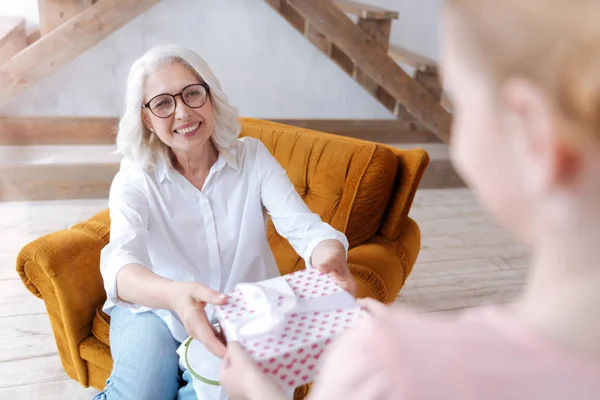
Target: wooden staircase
67,28
363,51
46,158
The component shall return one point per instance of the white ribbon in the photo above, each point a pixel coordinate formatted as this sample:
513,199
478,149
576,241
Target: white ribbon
269,316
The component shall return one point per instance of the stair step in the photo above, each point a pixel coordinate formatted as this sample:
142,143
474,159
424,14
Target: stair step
412,59
56,172
12,37
366,11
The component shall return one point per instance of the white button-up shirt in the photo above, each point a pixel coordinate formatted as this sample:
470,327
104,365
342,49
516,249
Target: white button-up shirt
217,235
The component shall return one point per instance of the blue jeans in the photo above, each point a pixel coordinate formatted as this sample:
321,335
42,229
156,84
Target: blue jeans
145,360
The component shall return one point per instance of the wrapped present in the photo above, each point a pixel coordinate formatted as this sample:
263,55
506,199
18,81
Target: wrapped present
285,323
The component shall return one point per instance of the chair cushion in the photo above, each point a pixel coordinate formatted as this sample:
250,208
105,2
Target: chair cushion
348,182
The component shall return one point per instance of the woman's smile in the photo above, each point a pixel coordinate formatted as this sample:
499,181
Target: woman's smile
188,130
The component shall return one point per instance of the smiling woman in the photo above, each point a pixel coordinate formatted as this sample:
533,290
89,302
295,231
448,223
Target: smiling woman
177,67
188,210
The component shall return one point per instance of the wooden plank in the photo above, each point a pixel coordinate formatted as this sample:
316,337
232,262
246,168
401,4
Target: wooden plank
342,59
379,30
29,305
56,181
412,59
55,390
431,81
376,63
461,298
12,37
54,13
457,282
13,288
463,268
31,371
453,254
362,10
65,43
24,347
289,13
57,130
317,38
24,325
382,131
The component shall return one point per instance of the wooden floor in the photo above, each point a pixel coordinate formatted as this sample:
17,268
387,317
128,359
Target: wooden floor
466,261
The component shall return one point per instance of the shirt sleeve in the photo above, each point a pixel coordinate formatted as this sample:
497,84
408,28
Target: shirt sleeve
128,205
290,215
356,366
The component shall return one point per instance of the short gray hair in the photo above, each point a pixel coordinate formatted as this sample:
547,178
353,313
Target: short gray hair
135,142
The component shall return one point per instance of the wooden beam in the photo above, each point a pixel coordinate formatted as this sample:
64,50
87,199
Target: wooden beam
20,131
54,13
12,37
66,42
366,10
382,131
376,63
379,31
56,130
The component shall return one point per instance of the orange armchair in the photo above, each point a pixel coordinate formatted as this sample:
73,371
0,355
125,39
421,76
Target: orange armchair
361,188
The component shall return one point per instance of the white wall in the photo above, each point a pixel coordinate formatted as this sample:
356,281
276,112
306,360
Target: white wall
21,8
268,69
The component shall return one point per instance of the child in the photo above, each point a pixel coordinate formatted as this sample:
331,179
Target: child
525,78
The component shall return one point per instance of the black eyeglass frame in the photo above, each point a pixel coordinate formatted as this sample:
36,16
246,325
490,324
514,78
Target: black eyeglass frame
180,94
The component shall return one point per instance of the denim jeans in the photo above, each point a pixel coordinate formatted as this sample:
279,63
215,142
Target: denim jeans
145,360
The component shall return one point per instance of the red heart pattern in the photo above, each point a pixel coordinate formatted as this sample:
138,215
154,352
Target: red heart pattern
293,356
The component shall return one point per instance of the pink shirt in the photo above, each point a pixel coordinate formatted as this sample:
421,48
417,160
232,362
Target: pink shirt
482,355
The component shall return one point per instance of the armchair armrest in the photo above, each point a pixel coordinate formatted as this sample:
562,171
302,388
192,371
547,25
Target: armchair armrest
382,265
62,268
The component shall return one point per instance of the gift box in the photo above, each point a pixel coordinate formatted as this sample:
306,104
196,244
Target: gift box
286,323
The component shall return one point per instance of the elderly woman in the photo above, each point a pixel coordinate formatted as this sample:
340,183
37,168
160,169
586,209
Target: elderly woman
188,215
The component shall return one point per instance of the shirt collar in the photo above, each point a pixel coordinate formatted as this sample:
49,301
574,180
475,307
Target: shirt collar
226,157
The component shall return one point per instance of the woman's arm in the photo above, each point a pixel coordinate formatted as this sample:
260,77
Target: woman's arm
127,269
127,249
290,215
136,284
319,244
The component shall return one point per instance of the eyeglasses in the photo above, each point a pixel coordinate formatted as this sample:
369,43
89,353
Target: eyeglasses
193,96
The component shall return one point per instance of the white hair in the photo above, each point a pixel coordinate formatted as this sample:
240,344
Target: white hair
135,142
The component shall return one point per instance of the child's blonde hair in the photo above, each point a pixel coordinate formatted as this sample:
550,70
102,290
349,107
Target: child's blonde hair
553,43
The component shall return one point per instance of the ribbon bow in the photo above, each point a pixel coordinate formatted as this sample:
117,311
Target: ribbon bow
272,301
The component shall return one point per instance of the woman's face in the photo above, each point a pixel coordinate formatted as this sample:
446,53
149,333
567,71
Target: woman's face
187,128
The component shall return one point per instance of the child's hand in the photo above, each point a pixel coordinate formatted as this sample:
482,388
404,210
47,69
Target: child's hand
243,380
373,306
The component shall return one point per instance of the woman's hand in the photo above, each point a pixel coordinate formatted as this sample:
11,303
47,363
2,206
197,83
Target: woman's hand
243,380
329,257
188,300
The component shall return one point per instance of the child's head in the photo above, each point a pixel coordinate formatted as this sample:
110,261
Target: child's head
524,76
